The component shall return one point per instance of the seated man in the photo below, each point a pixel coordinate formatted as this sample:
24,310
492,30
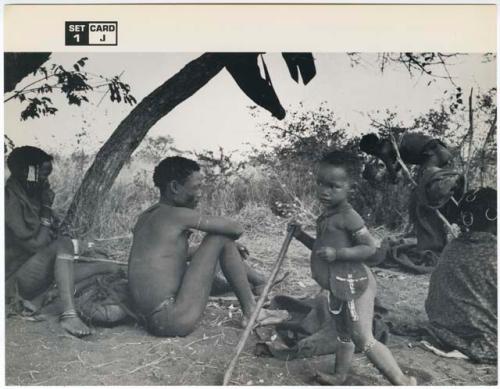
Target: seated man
169,294
32,244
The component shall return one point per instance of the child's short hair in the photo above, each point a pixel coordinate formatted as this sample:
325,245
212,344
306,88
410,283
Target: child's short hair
173,169
478,209
344,159
369,143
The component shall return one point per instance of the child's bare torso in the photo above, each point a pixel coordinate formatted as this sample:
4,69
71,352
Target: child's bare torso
158,257
331,232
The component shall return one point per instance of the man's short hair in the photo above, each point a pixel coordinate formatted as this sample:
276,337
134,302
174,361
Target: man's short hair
347,160
173,169
369,143
21,157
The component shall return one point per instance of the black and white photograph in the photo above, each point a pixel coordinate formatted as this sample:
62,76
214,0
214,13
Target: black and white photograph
249,217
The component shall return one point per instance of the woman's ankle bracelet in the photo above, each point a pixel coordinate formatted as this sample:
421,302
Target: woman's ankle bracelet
70,313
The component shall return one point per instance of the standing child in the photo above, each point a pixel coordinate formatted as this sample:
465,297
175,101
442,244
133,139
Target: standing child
342,244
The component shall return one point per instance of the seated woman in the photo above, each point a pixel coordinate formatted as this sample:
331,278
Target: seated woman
462,300
33,246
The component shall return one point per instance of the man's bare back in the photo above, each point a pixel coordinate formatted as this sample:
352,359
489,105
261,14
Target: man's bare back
158,258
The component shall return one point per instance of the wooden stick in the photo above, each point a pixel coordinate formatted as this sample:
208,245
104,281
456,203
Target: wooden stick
81,258
260,303
405,169
471,135
126,236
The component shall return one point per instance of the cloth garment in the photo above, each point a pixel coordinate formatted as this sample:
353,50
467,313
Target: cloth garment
435,188
300,63
22,225
311,329
244,69
103,299
416,147
462,299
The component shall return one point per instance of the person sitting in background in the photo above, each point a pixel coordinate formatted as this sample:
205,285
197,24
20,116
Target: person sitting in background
415,149
434,160
462,299
32,243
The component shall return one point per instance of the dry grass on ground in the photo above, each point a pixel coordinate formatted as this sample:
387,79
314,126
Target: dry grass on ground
38,353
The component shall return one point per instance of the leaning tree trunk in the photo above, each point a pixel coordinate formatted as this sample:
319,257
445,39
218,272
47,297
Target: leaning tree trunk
129,134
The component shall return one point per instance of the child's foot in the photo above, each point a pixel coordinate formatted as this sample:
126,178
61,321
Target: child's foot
267,317
73,324
329,379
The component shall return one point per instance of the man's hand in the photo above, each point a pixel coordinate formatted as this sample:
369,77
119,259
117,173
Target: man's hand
295,226
328,254
242,249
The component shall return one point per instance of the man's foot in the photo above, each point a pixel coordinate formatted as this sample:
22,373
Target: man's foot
410,381
73,324
267,317
328,379
258,287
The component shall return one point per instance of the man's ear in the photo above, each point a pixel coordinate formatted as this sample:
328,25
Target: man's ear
174,186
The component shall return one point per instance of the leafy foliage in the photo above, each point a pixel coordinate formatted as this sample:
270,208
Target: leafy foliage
36,107
75,84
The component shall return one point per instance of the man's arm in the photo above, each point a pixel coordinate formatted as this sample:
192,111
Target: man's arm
210,224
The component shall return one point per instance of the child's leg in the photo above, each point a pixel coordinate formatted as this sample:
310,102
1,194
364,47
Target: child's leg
343,354
363,338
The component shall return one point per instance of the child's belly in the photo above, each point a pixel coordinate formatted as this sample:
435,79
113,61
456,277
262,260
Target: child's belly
320,268
320,271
